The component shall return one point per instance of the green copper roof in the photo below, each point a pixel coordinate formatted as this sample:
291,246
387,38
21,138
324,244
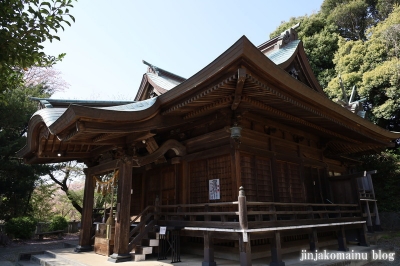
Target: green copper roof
283,54
50,103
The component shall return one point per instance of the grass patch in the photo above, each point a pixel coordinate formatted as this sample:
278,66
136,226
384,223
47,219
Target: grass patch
391,235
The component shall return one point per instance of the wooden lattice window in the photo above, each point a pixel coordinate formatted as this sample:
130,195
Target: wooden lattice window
290,185
204,170
311,184
220,168
256,177
198,182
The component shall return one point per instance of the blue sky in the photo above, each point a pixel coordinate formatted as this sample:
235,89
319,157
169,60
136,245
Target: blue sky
106,45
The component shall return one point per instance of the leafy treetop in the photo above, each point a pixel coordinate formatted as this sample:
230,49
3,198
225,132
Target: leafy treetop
24,26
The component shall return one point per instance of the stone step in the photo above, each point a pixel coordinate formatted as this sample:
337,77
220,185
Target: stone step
140,257
143,250
23,263
153,235
46,258
150,242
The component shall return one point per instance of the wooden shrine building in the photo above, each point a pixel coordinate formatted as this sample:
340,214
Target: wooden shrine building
247,158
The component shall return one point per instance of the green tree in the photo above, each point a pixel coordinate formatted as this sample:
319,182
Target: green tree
64,173
24,27
320,40
42,201
352,18
16,178
374,67
320,32
63,207
387,179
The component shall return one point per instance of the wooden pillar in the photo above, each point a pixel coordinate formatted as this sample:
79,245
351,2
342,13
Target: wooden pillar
313,240
276,253
377,220
208,250
122,217
341,235
369,219
245,249
244,238
86,223
362,236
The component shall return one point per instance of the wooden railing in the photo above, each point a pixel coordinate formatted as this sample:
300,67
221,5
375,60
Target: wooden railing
148,218
242,216
247,215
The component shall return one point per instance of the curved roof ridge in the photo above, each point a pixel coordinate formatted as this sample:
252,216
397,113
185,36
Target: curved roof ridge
159,71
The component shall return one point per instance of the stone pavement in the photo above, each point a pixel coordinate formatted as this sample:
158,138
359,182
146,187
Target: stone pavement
10,253
92,259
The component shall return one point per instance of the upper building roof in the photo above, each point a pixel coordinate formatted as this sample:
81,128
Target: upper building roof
156,81
241,76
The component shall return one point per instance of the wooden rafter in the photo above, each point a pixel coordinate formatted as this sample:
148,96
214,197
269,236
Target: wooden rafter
208,107
199,95
287,98
265,107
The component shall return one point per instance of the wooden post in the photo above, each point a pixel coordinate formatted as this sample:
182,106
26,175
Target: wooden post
207,218
208,250
313,240
245,249
122,217
242,209
86,225
244,238
341,235
276,253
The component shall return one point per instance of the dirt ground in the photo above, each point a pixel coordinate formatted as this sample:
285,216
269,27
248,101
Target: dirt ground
389,242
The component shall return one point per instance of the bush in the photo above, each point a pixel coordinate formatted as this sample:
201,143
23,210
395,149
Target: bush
58,223
21,227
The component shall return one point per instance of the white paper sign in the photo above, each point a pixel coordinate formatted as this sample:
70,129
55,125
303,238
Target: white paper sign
163,229
214,190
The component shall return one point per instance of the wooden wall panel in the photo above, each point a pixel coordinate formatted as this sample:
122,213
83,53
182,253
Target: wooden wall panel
168,188
153,185
161,182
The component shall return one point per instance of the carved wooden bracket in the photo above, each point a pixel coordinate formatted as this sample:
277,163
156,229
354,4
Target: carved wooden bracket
239,88
171,144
